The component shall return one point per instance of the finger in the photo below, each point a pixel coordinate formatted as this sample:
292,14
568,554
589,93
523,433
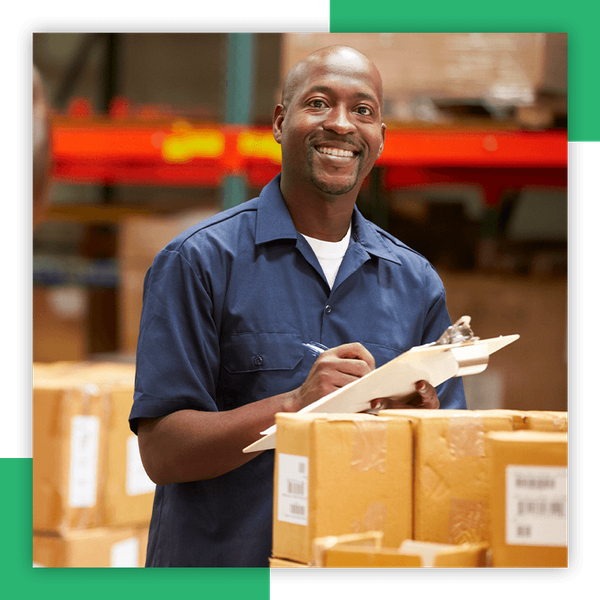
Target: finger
354,351
427,394
345,361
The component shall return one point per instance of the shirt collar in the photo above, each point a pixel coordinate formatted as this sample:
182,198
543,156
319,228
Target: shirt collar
273,222
374,242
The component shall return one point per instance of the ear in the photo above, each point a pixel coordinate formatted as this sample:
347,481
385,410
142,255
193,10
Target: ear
383,128
278,117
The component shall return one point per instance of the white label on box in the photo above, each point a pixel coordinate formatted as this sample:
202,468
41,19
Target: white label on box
125,553
292,489
83,469
536,505
138,481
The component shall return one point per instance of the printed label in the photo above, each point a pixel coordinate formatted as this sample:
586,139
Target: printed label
125,553
138,481
292,498
83,470
536,505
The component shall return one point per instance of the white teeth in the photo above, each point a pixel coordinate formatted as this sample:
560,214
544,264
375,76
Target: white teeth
336,152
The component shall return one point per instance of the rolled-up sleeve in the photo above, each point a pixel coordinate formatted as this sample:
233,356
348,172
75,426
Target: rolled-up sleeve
177,361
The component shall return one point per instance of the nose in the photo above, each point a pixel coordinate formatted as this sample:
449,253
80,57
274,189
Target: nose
339,120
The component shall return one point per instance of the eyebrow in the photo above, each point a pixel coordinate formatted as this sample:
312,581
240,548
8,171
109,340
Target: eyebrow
325,89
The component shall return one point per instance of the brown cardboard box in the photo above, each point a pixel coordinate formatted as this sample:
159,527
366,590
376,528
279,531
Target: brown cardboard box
98,547
60,323
529,500
69,433
410,554
533,371
452,472
86,466
546,420
275,563
129,492
506,67
340,474
538,420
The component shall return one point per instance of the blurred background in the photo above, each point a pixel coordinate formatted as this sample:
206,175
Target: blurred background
150,132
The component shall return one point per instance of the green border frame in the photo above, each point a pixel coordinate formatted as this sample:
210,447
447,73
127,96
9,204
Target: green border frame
578,19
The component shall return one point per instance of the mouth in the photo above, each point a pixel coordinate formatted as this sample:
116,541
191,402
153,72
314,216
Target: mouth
336,151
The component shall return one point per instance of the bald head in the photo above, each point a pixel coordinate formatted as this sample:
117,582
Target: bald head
329,124
341,59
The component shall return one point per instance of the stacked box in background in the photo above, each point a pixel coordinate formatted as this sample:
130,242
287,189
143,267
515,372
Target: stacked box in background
505,69
340,474
89,485
529,506
97,547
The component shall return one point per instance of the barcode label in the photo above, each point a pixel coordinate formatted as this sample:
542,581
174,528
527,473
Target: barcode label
292,489
295,487
541,507
536,505
83,468
297,509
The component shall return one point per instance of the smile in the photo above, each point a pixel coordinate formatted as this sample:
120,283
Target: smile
335,152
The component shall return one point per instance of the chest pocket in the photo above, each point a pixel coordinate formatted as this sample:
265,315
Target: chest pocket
262,351
258,365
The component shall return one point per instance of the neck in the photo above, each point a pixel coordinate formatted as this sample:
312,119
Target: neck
320,216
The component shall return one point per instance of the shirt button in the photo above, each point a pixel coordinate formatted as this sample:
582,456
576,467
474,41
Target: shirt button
327,309
258,360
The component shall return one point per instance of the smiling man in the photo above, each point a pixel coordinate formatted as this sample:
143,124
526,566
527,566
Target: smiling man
233,305
331,133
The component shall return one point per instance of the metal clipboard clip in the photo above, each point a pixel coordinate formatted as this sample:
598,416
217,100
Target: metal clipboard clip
459,332
472,358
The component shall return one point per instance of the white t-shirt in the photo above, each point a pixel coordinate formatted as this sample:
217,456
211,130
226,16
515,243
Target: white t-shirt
330,254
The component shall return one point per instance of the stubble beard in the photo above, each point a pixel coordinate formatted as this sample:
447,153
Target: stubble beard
332,189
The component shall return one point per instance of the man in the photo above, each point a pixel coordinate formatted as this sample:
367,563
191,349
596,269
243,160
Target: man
230,304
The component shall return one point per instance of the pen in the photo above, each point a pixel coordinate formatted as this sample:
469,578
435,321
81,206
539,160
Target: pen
315,348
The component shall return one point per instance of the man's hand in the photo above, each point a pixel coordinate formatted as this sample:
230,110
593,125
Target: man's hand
332,370
425,396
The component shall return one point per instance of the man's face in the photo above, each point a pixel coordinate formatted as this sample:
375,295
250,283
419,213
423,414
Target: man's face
330,130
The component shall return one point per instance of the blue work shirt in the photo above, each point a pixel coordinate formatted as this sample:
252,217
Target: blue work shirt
227,307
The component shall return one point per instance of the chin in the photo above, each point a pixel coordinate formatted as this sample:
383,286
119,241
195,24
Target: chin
336,188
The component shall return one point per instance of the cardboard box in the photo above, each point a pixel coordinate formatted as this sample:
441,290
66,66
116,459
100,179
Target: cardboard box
529,503
537,420
87,471
546,420
275,563
60,323
98,547
340,474
533,370
452,472
410,554
506,68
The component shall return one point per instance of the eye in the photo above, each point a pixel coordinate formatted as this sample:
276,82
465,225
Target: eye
317,103
366,111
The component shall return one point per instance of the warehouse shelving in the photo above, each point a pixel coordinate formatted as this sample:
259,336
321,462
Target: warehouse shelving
117,149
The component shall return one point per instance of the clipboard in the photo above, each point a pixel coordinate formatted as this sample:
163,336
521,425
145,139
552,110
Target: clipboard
434,363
